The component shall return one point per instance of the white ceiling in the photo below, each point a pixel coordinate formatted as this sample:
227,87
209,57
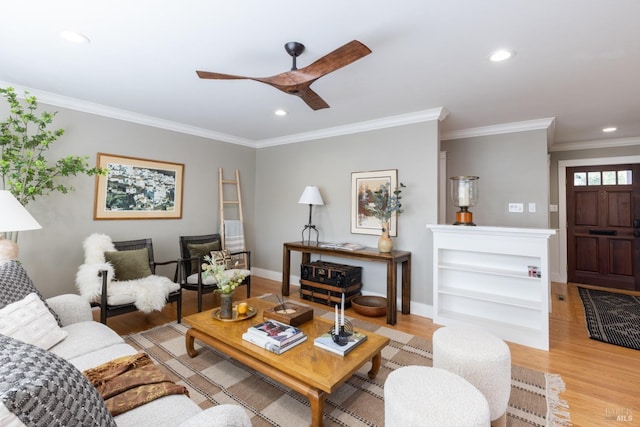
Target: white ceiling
577,61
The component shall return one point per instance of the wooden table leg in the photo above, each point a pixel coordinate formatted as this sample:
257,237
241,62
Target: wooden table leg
375,366
316,401
391,292
190,344
406,286
286,270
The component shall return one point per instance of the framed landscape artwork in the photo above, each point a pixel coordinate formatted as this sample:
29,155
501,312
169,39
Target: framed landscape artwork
363,184
138,188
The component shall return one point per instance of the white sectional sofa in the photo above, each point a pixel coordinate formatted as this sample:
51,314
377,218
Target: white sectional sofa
87,344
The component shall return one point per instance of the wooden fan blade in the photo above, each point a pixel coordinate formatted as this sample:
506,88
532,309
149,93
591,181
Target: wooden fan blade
335,60
219,76
313,100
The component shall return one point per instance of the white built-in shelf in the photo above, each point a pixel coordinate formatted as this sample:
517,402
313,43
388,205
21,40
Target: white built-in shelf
480,277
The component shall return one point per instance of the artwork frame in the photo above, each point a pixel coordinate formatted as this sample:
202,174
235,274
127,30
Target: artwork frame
361,222
161,200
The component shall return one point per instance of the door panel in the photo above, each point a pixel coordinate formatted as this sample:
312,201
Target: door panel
586,212
603,225
587,254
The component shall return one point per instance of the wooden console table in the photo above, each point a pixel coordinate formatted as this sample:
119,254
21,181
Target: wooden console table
367,254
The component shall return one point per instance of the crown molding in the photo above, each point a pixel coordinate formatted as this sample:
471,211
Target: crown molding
129,116
386,122
547,123
600,143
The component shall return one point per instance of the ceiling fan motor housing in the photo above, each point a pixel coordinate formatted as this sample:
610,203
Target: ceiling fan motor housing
294,49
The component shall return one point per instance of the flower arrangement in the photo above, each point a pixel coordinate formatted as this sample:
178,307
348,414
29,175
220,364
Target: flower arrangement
227,280
384,202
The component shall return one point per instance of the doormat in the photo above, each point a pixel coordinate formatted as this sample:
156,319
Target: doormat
612,317
213,379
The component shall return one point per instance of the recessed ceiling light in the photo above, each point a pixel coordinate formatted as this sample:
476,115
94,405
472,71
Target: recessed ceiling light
501,55
280,113
74,37
609,129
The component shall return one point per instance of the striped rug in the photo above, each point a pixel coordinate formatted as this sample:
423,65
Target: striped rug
213,379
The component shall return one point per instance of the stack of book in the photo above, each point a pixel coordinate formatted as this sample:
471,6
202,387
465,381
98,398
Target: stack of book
274,336
325,342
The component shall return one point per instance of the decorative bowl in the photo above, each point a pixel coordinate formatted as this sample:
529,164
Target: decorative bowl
369,305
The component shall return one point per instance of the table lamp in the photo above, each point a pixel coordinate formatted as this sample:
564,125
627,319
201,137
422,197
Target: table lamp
13,218
464,194
311,196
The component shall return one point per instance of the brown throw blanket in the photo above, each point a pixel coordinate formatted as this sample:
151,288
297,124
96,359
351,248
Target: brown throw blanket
128,382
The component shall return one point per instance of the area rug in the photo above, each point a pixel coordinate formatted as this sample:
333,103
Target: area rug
213,378
612,317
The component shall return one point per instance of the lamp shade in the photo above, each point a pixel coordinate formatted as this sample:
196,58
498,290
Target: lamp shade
311,196
13,216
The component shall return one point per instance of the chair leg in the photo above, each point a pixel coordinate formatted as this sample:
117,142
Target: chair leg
179,308
199,300
249,288
103,316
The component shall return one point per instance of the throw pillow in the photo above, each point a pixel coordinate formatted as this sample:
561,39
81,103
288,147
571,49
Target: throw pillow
200,250
28,320
222,257
15,284
41,388
129,265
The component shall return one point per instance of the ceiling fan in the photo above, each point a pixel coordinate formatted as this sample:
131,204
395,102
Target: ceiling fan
297,82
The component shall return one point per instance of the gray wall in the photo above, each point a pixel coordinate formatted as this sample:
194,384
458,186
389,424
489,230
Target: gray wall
52,255
283,171
512,169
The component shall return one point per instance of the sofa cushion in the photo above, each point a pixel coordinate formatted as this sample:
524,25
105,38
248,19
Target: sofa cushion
166,411
28,320
200,250
15,284
41,388
103,355
129,265
85,337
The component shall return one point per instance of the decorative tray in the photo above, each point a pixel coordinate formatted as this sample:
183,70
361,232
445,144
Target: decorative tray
235,317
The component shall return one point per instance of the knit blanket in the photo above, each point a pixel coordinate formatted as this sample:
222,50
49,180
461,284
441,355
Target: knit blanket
131,381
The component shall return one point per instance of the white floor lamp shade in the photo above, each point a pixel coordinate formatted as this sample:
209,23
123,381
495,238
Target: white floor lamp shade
13,217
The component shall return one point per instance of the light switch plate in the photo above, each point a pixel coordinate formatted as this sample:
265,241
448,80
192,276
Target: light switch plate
516,207
532,207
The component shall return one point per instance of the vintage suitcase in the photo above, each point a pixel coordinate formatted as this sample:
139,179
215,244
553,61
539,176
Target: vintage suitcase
330,273
329,294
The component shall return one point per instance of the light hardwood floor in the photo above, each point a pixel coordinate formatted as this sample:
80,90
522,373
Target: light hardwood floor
602,380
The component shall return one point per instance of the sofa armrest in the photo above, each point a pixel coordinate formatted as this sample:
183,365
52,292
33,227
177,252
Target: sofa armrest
71,308
220,416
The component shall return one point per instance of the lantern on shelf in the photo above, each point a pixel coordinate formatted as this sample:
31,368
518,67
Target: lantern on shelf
464,194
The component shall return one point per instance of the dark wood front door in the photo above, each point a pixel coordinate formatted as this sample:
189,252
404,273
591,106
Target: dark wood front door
603,225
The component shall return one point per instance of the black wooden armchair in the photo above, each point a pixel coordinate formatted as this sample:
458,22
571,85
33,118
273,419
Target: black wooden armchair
113,305
192,252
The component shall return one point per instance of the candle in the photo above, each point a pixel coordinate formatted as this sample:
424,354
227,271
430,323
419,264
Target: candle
337,326
463,194
342,306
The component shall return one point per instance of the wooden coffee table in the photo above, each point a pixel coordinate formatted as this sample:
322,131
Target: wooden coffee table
307,369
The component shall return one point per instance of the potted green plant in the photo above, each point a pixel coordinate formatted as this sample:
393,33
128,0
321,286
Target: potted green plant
25,171
382,205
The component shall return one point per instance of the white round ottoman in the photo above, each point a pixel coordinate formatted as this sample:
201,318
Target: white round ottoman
431,397
482,359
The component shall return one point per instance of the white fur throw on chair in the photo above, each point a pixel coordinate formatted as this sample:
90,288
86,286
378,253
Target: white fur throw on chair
148,294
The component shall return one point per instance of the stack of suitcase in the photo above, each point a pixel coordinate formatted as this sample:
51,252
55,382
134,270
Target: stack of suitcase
325,282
